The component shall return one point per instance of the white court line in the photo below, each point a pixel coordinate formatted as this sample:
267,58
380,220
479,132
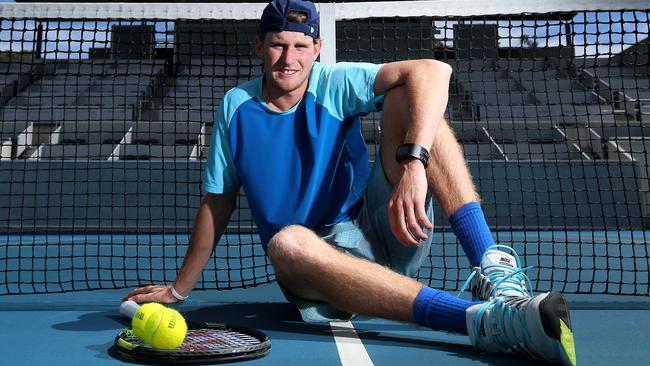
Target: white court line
351,350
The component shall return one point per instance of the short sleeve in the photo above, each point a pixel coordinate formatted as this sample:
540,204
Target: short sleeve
220,172
347,89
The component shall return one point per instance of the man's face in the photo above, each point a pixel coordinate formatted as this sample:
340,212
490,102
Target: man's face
287,58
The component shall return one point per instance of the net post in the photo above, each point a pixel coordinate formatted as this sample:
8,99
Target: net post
328,33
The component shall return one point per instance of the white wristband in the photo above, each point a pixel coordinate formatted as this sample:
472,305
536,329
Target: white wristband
178,296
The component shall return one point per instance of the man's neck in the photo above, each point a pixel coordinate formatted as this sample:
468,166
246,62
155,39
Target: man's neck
282,101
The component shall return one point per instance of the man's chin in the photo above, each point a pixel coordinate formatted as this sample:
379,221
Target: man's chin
287,87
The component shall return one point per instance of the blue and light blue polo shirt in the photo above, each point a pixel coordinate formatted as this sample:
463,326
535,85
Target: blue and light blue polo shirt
307,165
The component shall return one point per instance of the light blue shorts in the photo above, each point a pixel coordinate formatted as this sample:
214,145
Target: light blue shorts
368,236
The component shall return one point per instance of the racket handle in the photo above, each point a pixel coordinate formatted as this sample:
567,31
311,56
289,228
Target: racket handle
128,308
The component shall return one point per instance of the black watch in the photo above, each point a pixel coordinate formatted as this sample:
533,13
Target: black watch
412,151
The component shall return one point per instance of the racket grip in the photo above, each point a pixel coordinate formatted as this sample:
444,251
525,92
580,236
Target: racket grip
128,308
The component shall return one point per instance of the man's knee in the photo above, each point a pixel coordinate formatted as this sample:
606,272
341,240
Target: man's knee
289,246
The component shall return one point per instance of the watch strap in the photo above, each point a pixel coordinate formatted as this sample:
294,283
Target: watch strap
412,151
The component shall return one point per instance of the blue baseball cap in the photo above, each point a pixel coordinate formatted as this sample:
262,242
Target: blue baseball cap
274,17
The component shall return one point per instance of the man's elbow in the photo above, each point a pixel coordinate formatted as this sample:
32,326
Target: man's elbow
437,68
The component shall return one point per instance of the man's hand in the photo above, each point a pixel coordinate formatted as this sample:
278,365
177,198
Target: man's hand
406,208
153,293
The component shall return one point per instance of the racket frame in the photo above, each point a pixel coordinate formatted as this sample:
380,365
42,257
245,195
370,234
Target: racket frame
150,355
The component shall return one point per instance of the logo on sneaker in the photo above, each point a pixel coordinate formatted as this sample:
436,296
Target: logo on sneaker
505,262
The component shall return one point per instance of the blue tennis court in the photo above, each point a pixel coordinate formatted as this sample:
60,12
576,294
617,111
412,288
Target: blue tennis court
79,326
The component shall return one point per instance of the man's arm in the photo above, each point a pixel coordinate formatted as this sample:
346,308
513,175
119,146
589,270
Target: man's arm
426,85
210,223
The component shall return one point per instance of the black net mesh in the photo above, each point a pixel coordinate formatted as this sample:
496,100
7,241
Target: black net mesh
106,123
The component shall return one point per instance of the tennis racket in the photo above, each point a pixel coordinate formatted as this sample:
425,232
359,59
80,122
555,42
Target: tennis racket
204,343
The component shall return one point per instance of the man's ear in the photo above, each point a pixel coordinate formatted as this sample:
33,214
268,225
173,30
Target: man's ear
317,46
259,45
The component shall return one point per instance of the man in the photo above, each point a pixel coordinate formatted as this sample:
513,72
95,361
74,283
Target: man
343,239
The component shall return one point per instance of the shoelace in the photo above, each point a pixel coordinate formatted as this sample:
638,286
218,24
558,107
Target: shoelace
511,281
510,320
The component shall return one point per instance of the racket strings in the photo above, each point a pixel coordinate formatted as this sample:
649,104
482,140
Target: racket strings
205,339
212,339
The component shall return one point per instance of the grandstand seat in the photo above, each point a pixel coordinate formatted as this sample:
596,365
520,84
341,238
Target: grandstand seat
109,132
167,133
73,152
156,152
534,151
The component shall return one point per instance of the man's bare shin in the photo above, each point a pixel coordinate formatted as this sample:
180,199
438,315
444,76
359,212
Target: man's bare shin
448,174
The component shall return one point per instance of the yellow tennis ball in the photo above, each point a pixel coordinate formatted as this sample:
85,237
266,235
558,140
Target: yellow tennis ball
142,315
159,326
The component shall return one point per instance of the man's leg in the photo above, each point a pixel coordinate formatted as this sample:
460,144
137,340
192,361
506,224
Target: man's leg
448,176
312,269
496,269
537,326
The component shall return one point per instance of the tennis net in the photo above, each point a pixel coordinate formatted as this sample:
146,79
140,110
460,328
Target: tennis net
106,112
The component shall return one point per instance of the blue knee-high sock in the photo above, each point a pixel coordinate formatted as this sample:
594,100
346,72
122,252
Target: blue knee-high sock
441,311
471,229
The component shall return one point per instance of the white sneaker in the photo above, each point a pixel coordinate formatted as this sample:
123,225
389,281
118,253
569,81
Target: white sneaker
537,327
500,274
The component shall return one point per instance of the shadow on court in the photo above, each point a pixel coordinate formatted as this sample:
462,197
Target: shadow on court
92,322
282,323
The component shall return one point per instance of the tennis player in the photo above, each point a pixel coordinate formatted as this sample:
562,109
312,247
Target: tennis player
345,238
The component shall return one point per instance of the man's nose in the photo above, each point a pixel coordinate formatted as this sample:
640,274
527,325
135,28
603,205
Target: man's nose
288,55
